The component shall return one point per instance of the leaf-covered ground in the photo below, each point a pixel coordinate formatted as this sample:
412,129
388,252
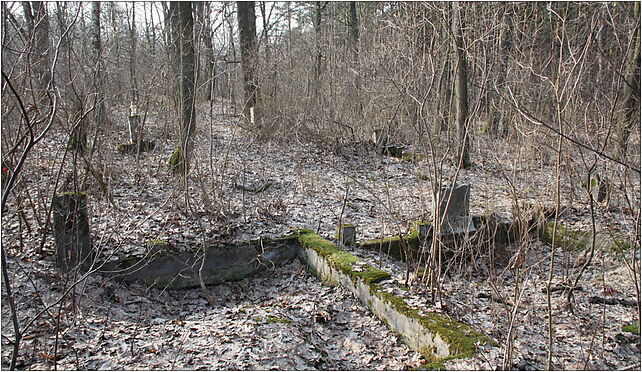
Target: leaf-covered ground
285,319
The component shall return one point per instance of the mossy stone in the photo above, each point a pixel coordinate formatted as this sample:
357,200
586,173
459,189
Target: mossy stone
632,328
340,259
176,163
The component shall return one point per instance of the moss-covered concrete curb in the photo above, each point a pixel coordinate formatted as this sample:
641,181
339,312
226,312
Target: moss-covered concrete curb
434,335
401,247
577,240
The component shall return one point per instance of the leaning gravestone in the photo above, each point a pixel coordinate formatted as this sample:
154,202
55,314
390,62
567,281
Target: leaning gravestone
71,231
453,210
347,234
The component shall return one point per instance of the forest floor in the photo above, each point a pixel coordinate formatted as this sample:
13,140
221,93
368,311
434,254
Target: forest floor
285,318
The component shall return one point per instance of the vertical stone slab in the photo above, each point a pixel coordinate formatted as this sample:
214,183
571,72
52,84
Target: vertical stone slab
347,234
423,229
598,188
71,231
134,121
454,204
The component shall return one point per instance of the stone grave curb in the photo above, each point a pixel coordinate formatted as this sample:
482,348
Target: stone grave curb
434,335
579,240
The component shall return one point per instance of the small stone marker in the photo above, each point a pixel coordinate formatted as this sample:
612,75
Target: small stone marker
134,120
598,188
453,208
71,231
347,234
423,229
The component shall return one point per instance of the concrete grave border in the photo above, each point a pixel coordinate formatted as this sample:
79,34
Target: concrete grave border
434,335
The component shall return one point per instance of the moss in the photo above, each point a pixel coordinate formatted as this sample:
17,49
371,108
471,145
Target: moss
485,128
133,148
175,162
462,339
437,365
340,259
275,319
410,156
394,246
573,240
271,319
153,242
82,193
632,328
621,246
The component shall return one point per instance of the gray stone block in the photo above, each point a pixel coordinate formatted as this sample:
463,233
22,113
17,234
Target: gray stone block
453,210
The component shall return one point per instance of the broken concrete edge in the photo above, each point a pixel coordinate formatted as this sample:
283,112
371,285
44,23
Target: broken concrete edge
132,148
501,230
578,240
434,335
180,269
399,246
340,259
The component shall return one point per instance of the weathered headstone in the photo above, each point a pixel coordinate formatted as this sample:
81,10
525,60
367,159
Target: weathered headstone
453,210
598,188
423,229
134,120
347,234
71,231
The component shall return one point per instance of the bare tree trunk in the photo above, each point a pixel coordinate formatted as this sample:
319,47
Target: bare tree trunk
210,80
444,97
247,31
232,53
96,46
269,94
172,37
188,114
461,89
39,57
318,54
354,48
497,116
631,90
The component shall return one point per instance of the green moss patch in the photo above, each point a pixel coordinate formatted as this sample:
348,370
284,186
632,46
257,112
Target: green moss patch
175,161
133,148
632,328
153,242
396,246
271,319
573,240
462,339
340,259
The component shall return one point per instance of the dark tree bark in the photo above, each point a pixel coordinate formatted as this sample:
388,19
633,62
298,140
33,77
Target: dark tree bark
247,31
173,49
354,31
181,21
318,53
230,73
99,67
497,122
188,114
210,81
39,59
132,59
461,89
354,48
631,90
